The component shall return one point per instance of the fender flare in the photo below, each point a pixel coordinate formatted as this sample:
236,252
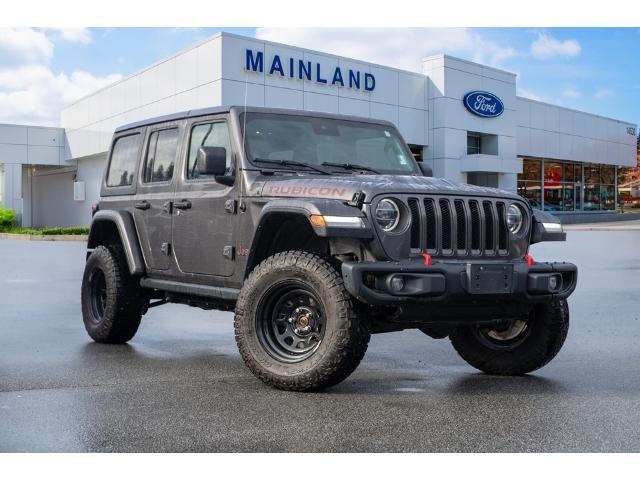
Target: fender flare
304,209
128,237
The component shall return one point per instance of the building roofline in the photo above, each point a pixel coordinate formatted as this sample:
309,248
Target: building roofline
370,64
234,35
25,125
631,124
476,64
324,53
144,69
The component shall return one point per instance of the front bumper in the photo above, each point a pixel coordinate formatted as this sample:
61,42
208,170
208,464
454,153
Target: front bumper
460,282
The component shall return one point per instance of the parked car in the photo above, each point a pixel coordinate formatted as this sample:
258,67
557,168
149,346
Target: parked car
317,230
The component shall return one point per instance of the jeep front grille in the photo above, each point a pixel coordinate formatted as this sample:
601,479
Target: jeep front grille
445,226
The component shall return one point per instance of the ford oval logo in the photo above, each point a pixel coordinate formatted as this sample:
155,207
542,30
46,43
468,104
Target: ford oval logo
483,104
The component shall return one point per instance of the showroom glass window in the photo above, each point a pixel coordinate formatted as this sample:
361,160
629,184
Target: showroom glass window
208,135
474,143
529,181
562,182
599,187
161,156
124,155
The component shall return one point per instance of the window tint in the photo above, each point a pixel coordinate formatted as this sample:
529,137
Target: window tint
161,156
208,135
123,161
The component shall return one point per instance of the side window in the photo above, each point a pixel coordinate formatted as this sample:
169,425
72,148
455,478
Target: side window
208,135
123,161
161,156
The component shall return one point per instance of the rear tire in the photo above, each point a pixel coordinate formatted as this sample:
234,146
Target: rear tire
296,325
518,348
111,298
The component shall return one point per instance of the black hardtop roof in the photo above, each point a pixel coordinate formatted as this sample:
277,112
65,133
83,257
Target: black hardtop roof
201,112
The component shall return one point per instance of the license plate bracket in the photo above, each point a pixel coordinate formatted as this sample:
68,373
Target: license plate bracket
484,279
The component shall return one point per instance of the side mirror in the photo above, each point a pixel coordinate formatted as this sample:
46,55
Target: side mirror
211,161
427,171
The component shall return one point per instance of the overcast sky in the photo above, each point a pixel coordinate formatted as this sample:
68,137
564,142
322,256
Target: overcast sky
596,70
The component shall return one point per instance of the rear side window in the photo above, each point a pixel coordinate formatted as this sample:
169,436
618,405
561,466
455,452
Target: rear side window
123,161
161,156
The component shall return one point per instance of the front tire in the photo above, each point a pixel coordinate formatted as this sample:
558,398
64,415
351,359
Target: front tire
111,298
296,325
518,347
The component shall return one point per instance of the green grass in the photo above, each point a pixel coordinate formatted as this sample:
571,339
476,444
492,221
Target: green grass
46,230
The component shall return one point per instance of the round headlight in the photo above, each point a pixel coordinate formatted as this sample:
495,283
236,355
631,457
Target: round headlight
387,214
514,218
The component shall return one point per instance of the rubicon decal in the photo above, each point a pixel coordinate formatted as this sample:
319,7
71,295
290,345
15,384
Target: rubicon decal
483,104
304,191
306,70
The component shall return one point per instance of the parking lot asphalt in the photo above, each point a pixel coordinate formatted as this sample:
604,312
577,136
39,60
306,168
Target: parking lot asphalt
180,384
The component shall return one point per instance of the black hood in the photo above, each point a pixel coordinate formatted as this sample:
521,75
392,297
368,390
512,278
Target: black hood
343,187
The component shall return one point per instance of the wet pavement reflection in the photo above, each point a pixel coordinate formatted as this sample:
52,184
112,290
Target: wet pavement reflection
180,385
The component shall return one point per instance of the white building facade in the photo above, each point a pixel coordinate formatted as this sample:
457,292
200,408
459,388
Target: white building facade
462,118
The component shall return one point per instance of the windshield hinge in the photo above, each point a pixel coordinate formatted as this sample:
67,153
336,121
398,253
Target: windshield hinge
357,200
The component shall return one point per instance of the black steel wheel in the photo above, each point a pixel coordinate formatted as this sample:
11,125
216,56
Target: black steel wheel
506,335
290,321
296,325
98,295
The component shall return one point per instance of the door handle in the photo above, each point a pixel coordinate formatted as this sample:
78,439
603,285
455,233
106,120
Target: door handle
143,205
182,205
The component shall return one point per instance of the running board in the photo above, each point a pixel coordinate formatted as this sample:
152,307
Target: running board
223,293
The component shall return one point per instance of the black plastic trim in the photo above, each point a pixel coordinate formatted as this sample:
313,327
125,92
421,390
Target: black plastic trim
223,293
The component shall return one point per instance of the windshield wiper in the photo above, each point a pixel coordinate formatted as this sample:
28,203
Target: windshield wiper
291,163
350,166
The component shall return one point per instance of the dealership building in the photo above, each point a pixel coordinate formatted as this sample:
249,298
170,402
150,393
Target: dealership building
462,118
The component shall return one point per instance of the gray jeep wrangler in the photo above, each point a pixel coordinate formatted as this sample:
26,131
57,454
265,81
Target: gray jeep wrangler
317,230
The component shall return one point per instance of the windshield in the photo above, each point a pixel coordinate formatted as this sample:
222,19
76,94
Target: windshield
339,145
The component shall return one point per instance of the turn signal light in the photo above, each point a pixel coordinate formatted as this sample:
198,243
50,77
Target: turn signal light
318,220
529,259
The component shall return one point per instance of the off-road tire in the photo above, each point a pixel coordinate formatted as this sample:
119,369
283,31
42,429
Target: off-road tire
346,333
122,309
548,324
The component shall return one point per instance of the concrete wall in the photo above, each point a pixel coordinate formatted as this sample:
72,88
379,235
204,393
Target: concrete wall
51,199
399,96
550,131
213,73
24,144
449,80
188,80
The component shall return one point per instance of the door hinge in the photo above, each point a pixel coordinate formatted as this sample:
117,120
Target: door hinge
357,200
228,252
230,206
166,248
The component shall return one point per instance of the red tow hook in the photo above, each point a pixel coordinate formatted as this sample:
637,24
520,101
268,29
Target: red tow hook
529,259
427,259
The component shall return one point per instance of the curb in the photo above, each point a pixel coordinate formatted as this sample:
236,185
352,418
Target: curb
596,228
50,238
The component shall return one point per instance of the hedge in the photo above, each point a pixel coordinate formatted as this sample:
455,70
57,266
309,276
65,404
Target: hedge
7,217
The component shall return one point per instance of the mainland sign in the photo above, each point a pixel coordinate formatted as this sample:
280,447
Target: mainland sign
483,104
306,70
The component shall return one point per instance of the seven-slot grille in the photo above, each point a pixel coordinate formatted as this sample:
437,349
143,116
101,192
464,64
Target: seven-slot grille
459,226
